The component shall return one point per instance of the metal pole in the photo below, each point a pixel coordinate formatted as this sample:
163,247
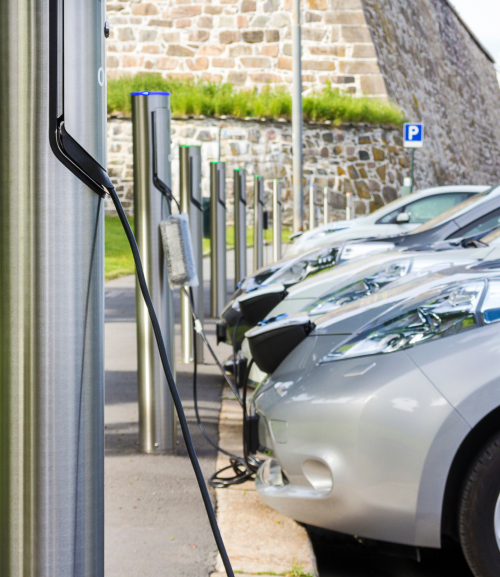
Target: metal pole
298,193
52,287
312,207
348,206
240,225
258,226
325,206
276,220
218,276
190,200
151,137
412,168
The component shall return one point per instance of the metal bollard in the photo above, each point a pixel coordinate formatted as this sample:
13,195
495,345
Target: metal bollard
348,206
151,137
240,225
190,195
312,207
277,220
218,276
258,226
325,206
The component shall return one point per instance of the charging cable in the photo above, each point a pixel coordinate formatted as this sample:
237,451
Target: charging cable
245,467
171,382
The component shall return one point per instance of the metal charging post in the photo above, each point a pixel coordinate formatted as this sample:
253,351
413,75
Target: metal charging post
152,171
240,225
258,220
277,220
325,206
348,206
218,275
52,280
191,203
312,207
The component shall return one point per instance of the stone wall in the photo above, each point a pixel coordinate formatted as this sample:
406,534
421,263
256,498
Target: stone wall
245,42
368,161
436,71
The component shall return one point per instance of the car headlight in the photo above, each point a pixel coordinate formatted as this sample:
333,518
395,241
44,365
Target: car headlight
361,288
439,313
307,266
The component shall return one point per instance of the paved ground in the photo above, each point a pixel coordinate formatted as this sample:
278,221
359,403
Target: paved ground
155,520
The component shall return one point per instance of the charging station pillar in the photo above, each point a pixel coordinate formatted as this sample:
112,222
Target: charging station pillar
326,210
312,207
277,220
258,220
191,203
218,273
151,137
52,293
240,225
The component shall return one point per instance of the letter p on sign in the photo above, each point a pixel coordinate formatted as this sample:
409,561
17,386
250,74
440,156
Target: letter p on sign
414,135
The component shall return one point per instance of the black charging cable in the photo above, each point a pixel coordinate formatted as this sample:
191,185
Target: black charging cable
244,468
171,382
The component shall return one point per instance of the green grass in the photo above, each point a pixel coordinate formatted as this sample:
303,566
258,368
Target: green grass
268,238
209,99
118,257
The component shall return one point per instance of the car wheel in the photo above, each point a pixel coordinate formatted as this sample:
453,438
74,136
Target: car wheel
479,512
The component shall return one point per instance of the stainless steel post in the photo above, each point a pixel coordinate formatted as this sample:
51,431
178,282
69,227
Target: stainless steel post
190,201
218,275
258,223
348,206
312,207
297,124
151,136
240,225
325,206
276,220
52,287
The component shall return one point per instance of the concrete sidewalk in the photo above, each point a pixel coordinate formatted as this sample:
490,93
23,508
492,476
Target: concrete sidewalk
156,523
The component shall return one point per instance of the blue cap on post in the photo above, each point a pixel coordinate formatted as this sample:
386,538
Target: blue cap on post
147,93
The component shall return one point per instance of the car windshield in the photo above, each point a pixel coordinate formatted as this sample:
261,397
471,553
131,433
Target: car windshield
493,238
447,214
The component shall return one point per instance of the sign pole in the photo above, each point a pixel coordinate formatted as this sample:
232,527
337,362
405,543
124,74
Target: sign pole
412,168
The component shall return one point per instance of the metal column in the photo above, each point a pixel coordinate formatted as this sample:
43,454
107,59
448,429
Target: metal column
348,206
312,207
276,220
218,275
151,136
52,287
240,225
258,220
325,206
297,119
190,200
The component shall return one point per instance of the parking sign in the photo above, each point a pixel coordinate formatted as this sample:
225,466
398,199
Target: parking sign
414,135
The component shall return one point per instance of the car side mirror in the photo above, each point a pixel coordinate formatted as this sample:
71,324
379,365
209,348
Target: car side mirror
403,218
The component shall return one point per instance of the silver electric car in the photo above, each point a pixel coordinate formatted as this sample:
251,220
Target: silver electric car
389,429
350,282
400,216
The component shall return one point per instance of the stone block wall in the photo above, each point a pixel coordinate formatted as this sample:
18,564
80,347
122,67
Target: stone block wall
436,71
245,42
368,161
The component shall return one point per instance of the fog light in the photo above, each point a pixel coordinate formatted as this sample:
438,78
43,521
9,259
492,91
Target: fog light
270,474
319,475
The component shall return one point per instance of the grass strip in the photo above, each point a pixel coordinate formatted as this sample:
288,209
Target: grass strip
190,98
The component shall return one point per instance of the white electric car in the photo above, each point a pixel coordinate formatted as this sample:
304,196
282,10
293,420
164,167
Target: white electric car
400,216
390,429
